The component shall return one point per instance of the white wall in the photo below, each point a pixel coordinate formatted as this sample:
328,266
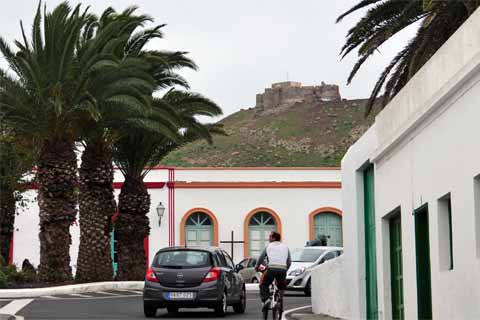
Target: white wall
327,298
424,145
231,206
347,289
443,157
267,174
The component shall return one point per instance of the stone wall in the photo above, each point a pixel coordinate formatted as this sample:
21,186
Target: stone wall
285,94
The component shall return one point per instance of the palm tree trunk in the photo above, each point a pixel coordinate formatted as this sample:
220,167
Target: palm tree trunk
131,227
7,219
97,206
57,200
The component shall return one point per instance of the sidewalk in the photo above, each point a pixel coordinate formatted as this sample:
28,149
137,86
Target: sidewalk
306,314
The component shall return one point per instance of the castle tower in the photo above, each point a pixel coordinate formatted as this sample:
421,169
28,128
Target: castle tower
283,95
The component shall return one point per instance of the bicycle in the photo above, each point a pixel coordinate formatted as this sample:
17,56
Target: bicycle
276,303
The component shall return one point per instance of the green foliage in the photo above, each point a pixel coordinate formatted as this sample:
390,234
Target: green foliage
10,274
16,277
3,262
3,280
9,270
384,19
306,135
69,69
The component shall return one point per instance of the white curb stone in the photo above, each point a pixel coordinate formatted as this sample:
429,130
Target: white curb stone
74,288
84,288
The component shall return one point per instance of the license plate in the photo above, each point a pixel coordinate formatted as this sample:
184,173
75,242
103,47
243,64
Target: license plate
179,295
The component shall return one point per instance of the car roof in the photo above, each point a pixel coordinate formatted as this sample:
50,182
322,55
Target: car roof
199,248
322,248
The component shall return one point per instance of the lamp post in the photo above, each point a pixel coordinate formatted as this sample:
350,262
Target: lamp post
160,211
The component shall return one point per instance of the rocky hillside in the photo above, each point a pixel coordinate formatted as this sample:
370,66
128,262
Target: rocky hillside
305,134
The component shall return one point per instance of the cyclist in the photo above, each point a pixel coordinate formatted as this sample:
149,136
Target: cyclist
278,256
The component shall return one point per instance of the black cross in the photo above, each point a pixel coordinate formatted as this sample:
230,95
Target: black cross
232,242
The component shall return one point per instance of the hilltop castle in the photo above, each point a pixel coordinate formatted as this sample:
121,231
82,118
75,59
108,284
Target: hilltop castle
283,95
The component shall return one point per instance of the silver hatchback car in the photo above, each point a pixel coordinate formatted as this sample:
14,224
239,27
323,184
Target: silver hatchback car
303,260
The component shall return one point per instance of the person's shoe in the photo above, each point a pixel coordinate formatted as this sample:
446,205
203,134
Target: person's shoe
266,304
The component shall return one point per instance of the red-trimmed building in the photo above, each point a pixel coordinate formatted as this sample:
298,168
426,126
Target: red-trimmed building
204,205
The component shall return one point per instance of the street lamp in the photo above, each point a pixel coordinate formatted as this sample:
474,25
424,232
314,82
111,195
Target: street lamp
160,211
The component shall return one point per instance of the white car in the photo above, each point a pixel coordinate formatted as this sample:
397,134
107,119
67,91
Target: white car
303,260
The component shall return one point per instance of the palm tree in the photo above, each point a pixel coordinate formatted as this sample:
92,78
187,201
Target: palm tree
48,97
96,200
97,204
132,225
438,20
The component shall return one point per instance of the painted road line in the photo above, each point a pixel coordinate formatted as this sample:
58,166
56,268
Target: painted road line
49,297
15,306
108,293
80,295
293,310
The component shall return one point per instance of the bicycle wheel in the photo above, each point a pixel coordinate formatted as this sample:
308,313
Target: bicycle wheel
277,312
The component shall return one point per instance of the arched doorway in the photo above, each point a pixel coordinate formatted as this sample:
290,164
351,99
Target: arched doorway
327,223
199,228
259,223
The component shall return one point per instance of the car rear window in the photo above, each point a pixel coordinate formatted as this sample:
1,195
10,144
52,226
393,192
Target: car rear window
183,259
306,254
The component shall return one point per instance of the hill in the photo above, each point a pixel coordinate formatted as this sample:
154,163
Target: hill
305,134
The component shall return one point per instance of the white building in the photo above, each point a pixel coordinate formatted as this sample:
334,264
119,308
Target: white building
203,206
411,187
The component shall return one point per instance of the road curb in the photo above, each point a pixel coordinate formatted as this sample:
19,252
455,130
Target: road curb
73,288
84,288
286,313
252,287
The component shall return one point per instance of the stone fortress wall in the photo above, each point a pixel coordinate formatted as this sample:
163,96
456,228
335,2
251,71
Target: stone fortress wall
283,95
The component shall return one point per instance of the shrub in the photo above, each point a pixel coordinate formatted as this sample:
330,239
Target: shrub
3,280
16,277
29,276
3,262
10,269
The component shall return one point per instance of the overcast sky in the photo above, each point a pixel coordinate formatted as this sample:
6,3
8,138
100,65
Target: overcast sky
242,46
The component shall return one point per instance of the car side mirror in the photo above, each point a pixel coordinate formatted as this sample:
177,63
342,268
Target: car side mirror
238,267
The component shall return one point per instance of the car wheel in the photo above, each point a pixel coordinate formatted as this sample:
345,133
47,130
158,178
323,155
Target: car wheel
172,309
308,289
149,311
242,304
221,308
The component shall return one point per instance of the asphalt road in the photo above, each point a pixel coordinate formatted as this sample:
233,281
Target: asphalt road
130,307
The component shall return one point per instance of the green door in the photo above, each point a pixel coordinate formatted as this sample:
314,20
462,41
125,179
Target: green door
422,248
396,268
199,230
259,228
370,246
329,224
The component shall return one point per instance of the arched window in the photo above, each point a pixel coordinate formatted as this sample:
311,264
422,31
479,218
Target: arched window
259,227
199,230
326,224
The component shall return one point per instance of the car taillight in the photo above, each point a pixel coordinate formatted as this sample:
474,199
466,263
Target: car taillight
212,275
150,275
